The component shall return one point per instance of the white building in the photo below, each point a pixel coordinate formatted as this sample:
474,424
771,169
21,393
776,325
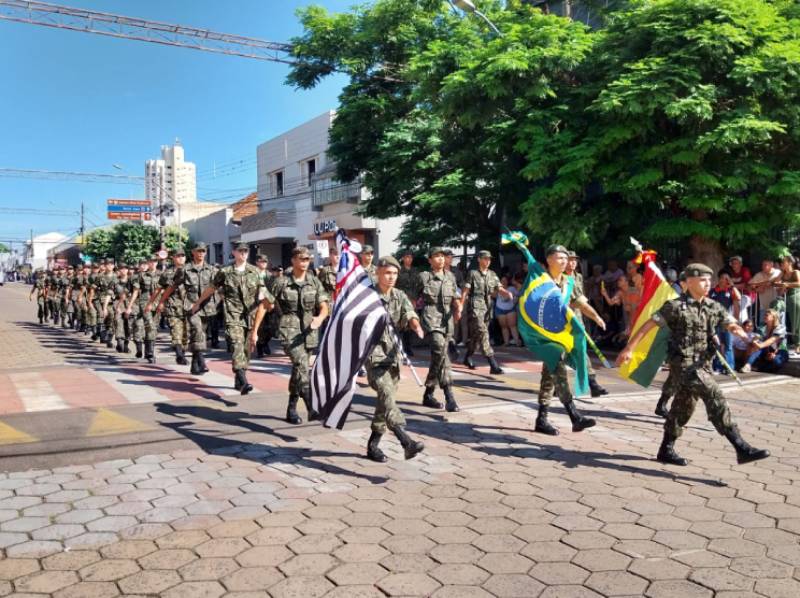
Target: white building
36,250
171,180
300,201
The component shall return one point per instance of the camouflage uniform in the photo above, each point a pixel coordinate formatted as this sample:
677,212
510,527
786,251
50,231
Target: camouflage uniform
194,279
327,276
123,287
91,311
174,309
107,283
299,301
383,363
145,327
242,292
40,287
438,292
482,287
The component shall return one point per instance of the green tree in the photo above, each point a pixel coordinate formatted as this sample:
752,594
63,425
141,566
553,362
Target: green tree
175,236
133,241
684,127
98,244
4,248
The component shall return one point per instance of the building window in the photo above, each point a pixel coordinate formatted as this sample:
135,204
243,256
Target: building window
311,169
218,257
278,183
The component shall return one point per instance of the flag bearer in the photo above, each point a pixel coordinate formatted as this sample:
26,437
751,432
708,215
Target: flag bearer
693,319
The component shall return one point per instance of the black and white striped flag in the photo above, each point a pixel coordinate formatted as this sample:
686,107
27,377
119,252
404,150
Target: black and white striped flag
356,325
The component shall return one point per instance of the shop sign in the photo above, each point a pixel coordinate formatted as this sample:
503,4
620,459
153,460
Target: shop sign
325,226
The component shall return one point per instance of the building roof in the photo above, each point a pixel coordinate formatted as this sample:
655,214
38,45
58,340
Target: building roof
247,206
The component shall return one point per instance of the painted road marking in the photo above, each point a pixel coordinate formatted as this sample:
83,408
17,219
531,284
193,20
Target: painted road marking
36,393
107,422
9,435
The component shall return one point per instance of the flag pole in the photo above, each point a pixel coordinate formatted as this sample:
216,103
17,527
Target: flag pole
404,358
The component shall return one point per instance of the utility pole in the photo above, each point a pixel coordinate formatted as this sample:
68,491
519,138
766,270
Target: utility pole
31,248
83,230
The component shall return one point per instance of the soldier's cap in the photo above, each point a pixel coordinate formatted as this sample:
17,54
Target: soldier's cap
556,249
367,249
388,261
682,276
301,251
434,250
735,257
179,251
484,253
242,247
406,251
123,266
144,260
448,252
154,257
261,258
698,270
571,253
199,245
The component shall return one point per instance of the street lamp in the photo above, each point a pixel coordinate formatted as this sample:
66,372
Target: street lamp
469,6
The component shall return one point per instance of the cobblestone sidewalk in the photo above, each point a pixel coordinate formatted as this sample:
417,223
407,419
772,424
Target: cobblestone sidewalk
19,346
489,509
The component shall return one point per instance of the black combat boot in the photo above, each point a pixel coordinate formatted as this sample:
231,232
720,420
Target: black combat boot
95,333
661,406
109,340
126,348
180,356
265,348
543,425
138,349
242,385
373,452
312,414
449,400
579,423
195,367
41,318
149,351
428,400
494,368
595,388
120,346
410,447
201,363
292,416
666,452
452,349
468,361
65,322
259,350
744,452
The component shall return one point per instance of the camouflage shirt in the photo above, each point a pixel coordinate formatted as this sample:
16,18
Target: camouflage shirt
327,277
195,279
373,273
242,292
692,324
299,301
482,287
174,305
408,282
401,312
147,284
438,292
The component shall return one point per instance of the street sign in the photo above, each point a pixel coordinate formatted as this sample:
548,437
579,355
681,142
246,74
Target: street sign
137,209
128,216
162,254
129,202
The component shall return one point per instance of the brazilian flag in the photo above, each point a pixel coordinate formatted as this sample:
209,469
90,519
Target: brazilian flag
547,324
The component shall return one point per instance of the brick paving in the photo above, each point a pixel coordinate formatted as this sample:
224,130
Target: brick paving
489,509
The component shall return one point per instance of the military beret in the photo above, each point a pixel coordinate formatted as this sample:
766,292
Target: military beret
484,253
388,260
199,245
242,247
698,270
556,249
261,258
179,251
301,250
367,249
735,257
434,250
571,254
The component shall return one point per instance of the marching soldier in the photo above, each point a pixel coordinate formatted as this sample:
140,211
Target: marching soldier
123,287
572,270
40,290
145,287
441,308
69,303
243,290
557,380
92,313
175,313
408,283
383,364
461,328
262,347
366,257
193,279
304,306
327,274
693,319
481,286
107,283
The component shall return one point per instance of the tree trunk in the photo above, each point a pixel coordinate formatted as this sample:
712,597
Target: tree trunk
708,252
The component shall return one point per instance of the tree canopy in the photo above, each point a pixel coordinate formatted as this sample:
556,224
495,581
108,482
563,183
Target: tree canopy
675,122
131,242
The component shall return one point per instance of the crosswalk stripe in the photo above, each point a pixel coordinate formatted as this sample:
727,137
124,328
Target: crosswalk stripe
10,435
36,393
107,422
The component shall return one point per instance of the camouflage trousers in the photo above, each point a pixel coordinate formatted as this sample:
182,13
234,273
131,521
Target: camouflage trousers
670,385
479,334
383,380
145,327
439,371
92,314
693,384
178,330
121,326
300,356
108,320
240,356
197,331
554,381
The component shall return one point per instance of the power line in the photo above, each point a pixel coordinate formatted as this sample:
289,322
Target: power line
63,175
101,23
38,212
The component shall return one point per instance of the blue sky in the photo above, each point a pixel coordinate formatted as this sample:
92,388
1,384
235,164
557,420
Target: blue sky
75,101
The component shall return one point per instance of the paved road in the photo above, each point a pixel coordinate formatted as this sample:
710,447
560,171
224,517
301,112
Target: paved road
235,503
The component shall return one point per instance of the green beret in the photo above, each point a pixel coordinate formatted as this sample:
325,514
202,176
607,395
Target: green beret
367,249
556,249
484,253
434,250
388,260
698,270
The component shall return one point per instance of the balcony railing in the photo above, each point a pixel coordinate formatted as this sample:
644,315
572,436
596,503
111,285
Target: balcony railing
326,191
